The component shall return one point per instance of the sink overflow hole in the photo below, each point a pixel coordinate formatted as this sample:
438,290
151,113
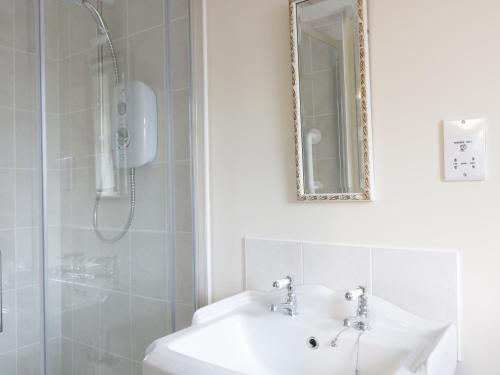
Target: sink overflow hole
313,343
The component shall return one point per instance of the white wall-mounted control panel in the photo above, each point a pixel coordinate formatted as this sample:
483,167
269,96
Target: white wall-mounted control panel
465,150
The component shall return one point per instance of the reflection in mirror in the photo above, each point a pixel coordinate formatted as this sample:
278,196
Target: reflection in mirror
331,114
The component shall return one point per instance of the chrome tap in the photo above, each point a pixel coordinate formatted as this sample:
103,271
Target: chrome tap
360,322
289,307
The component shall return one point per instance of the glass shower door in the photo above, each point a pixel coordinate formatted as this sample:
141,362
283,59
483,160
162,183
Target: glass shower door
96,261
119,250
20,195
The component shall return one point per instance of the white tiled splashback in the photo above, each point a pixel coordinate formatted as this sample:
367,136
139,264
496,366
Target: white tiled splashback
423,282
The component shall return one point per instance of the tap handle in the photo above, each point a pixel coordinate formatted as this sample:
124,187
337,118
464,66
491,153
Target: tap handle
352,294
283,283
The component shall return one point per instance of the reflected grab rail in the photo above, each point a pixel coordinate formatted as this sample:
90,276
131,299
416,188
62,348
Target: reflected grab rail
313,137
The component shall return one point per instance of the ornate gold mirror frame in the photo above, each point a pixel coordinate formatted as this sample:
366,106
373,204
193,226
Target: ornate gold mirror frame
364,111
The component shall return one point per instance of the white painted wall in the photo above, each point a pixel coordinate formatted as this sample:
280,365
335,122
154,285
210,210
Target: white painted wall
430,60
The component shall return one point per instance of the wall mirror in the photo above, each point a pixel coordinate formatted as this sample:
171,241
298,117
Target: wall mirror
331,90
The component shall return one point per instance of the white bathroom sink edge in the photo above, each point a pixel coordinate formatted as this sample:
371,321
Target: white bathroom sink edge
435,357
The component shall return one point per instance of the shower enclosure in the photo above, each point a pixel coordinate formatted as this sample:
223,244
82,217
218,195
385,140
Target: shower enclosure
97,177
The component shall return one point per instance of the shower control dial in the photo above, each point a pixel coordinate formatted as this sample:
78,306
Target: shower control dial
122,108
123,136
135,125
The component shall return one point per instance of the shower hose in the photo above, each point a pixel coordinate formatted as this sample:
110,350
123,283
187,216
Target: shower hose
119,236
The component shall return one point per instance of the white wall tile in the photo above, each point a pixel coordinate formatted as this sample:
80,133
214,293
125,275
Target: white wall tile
163,141
179,53
27,198
67,357
306,90
323,58
150,320
269,260
7,248
54,198
183,197
183,316
110,364
83,138
81,29
64,85
323,93
115,329
25,25
82,92
27,256
28,360
85,310
52,86
6,137
178,9
336,266
54,239
328,147
137,368
54,307
422,282
54,356
27,140
117,254
53,141
116,18
85,360
147,56
6,23
52,29
8,363
63,34
7,198
6,77
28,316
8,338
67,300
149,265
150,211
184,266
26,81
82,197
181,125
144,14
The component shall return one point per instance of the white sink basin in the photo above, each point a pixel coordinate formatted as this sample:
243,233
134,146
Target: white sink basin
240,335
